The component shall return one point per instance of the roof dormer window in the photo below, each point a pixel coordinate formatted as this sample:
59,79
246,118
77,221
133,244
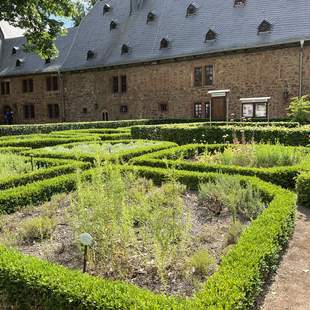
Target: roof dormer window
113,25
211,35
191,10
19,62
164,43
90,55
15,50
125,49
239,2
106,8
264,27
150,17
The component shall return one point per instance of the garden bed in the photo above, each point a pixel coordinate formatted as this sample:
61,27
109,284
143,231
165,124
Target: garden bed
14,165
166,239
104,149
273,163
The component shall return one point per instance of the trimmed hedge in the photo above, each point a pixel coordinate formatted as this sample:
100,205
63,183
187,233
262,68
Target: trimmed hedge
283,176
47,128
303,189
100,136
30,282
12,149
38,142
216,134
41,174
106,131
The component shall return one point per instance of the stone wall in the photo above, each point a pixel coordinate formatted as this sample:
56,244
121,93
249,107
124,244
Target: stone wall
88,94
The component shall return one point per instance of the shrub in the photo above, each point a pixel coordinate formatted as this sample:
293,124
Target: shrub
234,232
41,174
303,189
47,128
11,164
202,264
258,155
187,134
126,208
228,193
299,109
38,142
36,229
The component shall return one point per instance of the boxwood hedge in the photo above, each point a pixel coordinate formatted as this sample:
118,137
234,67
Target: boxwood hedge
41,174
32,283
47,128
186,134
303,189
43,141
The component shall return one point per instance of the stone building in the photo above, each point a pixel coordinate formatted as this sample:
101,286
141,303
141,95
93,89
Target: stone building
131,59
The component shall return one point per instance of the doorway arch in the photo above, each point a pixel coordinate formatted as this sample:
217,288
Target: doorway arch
105,116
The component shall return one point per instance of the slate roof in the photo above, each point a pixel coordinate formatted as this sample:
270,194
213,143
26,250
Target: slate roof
9,31
236,28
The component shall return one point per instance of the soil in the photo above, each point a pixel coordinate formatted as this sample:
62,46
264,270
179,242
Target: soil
209,232
289,289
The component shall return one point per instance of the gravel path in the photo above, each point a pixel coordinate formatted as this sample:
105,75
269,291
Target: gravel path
290,289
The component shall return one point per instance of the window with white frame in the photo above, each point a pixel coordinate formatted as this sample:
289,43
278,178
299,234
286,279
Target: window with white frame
254,110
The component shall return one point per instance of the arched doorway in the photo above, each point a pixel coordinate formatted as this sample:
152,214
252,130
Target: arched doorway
105,116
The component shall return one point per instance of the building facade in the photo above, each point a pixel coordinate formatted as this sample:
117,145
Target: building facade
127,61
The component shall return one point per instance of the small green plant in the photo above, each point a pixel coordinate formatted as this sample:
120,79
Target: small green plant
299,109
227,192
202,264
36,229
133,222
258,155
98,148
234,232
11,164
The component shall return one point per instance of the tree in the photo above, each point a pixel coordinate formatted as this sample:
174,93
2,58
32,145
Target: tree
299,109
81,9
36,17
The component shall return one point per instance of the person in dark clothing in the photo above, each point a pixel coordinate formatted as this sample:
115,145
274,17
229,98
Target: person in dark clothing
8,116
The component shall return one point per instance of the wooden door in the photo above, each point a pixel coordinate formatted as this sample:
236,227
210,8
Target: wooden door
218,110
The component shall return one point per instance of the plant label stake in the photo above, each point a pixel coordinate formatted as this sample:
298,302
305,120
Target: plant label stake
86,240
32,164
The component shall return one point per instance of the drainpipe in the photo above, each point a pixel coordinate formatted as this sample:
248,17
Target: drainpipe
131,7
62,95
301,61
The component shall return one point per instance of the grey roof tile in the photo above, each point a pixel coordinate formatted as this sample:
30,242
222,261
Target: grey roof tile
236,28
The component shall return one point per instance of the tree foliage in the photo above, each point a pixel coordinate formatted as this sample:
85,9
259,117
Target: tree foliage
82,7
299,109
36,17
